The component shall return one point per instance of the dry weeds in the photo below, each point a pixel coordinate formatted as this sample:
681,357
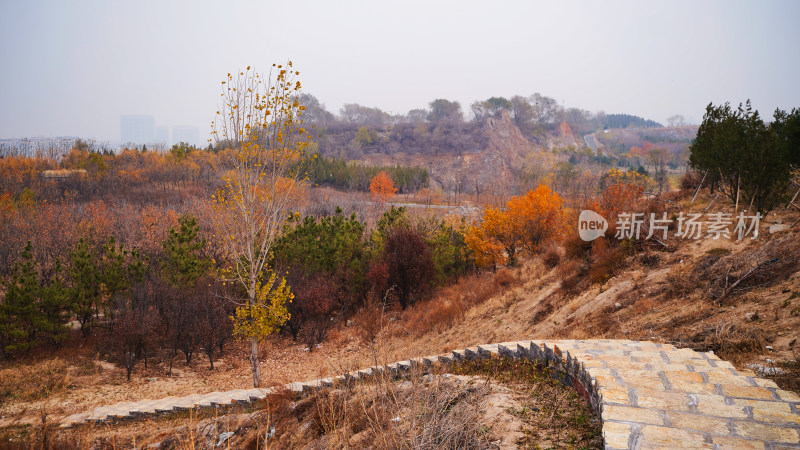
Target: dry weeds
759,266
473,405
730,341
452,302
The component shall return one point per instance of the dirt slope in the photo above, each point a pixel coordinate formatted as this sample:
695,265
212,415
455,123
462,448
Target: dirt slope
663,296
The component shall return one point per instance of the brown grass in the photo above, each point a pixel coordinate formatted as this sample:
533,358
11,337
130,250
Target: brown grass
677,195
552,415
472,405
789,376
452,302
575,247
690,180
505,278
551,257
30,383
605,259
570,274
369,322
734,342
759,266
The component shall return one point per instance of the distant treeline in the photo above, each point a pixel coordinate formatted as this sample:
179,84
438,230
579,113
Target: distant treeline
627,120
444,127
143,176
668,139
340,174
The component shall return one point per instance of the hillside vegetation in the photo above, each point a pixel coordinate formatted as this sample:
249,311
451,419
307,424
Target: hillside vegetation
286,252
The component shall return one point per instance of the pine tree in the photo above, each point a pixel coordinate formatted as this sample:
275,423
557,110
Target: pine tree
85,292
54,306
20,313
743,155
185,263
182,270
114,276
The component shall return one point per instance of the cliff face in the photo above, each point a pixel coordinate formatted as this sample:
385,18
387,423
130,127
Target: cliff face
506,142
491,170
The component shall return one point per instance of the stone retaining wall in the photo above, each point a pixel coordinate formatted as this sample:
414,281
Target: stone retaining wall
648,395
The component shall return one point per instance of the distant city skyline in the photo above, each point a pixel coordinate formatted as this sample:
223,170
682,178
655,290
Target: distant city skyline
138,129
142,129
652,59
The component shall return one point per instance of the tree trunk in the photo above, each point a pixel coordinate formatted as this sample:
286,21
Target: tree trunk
210,353
254,362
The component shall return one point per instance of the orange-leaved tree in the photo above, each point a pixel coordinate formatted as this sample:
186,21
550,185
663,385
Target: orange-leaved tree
260,121
382,187
617,198
526,223
487,252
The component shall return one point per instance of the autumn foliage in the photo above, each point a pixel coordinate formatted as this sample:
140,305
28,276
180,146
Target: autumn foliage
382,187
409,269
617,198
260,119
523,227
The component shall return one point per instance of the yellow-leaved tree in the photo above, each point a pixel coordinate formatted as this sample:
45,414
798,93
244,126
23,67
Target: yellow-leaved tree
260,121
526,223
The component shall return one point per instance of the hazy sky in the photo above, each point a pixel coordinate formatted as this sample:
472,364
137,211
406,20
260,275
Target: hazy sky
73,67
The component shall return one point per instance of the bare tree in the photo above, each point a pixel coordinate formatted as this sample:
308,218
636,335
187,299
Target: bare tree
545,109
130,335
213,326
676,120
658,159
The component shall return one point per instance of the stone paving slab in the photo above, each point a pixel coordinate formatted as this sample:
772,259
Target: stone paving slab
648,395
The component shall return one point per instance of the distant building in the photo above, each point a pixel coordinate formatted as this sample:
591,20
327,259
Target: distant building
137,129
162,135
190,135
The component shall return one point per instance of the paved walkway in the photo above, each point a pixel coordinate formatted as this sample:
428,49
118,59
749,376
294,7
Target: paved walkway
648,395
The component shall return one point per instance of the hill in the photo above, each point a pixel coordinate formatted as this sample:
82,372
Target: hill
739,299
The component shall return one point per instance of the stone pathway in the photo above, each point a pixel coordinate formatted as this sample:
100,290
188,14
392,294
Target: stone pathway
648,395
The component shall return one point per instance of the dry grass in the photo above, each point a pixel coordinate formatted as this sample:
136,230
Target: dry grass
722,275
78,380
422,412
752,268
571,275
682,283
788,378
452,302
551,257
26,383
575,247
471,405
369,322
551,414
504,278
604,261
730,341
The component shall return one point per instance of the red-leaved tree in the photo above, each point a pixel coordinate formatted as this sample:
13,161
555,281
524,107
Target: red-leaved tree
407,265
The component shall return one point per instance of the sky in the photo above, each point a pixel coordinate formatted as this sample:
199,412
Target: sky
73,68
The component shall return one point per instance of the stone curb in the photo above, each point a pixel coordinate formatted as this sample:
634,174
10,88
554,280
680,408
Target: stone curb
647,395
